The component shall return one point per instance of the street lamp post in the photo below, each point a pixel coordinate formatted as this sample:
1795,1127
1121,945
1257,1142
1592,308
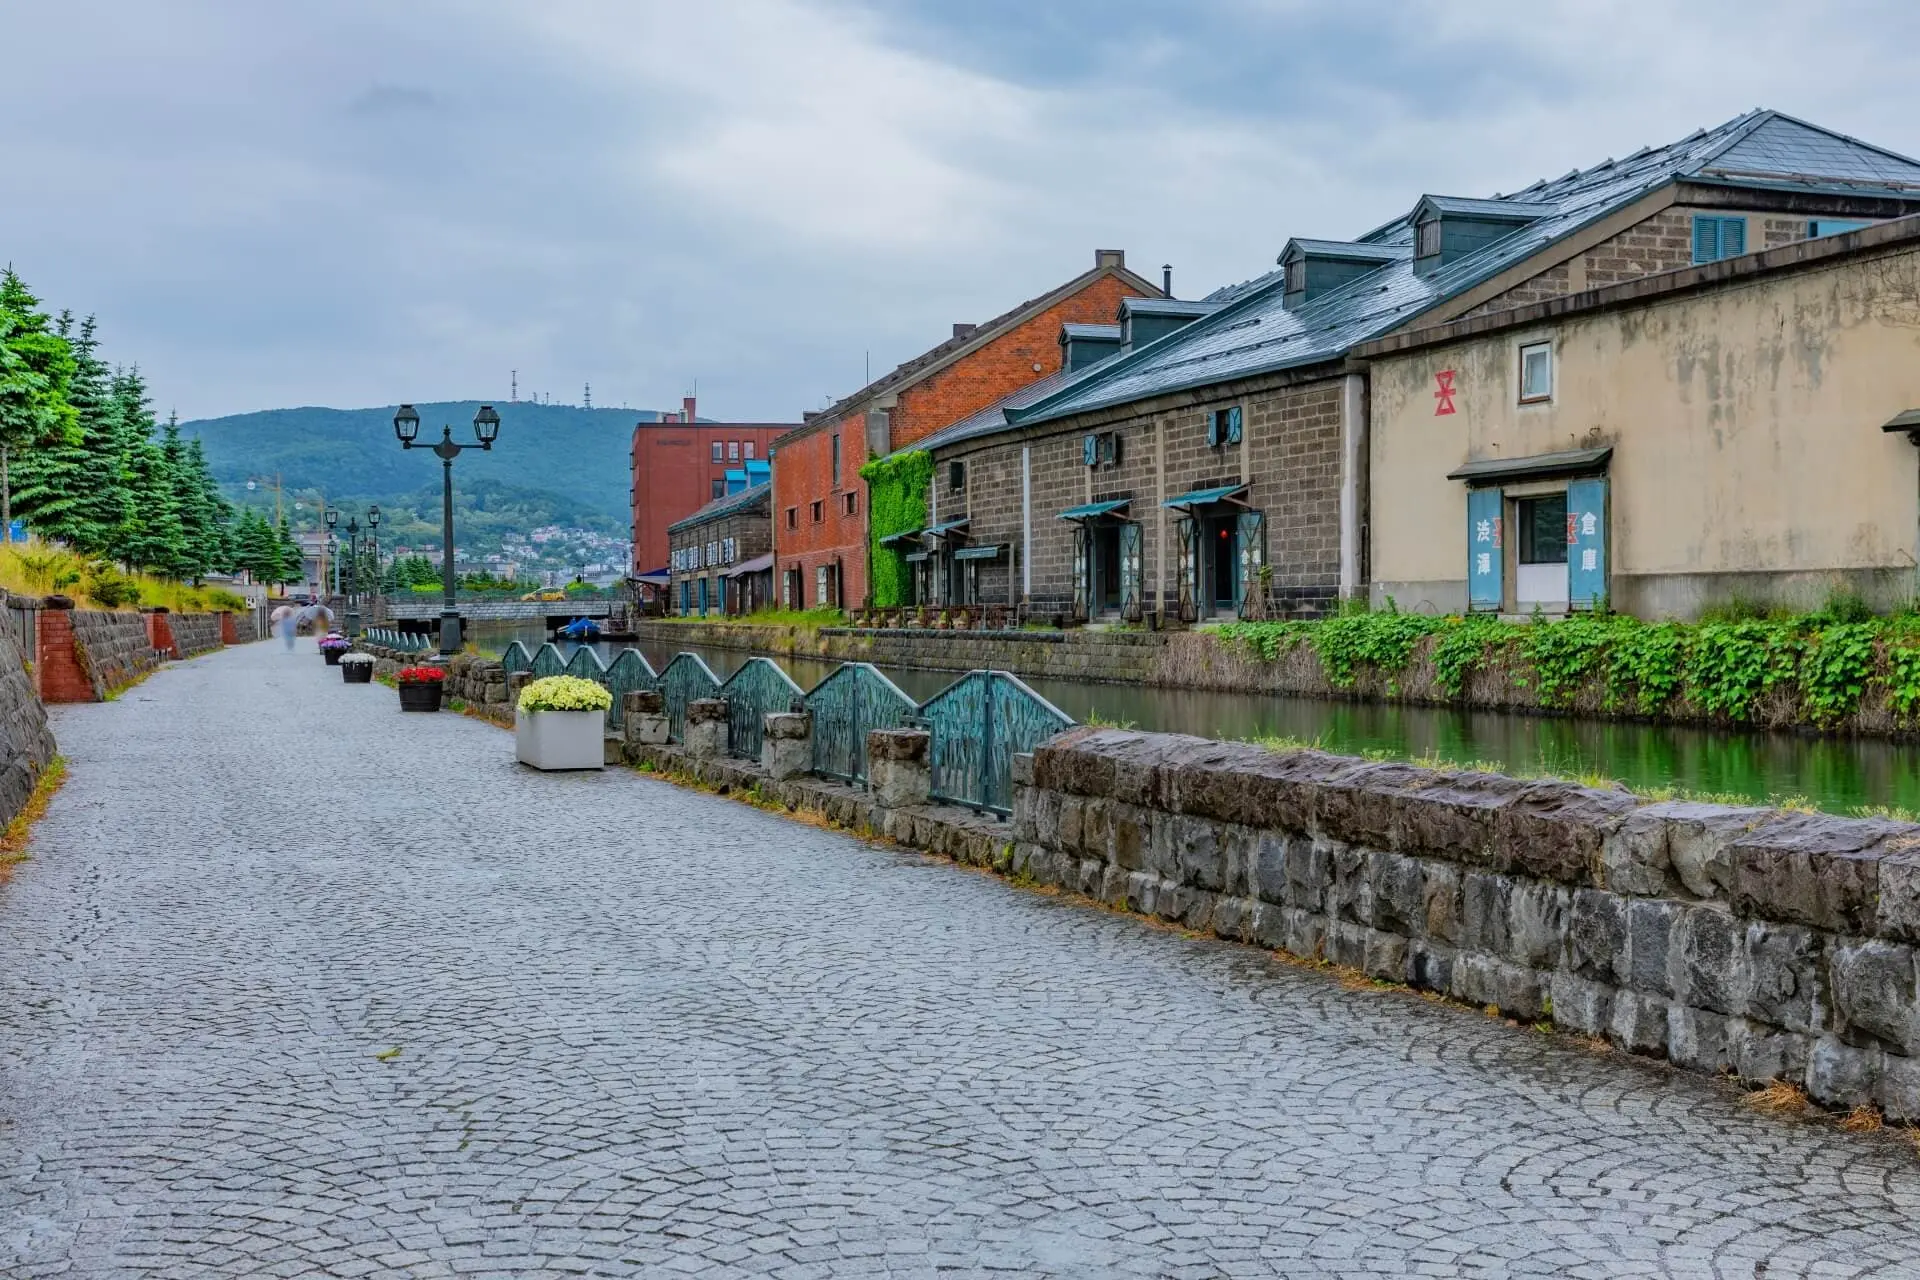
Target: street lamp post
330,517
373,546
486,429
353,576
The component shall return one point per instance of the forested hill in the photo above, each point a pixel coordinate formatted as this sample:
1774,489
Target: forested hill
581,454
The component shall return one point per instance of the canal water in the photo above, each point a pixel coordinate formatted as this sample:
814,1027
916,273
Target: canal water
1835,774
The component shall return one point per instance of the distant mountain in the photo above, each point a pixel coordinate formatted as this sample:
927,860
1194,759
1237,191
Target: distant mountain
579,456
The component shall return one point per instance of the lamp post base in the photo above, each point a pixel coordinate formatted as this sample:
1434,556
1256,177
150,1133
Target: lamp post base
353,623
449,633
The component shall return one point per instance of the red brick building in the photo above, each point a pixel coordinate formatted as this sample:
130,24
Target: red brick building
681,464
819,502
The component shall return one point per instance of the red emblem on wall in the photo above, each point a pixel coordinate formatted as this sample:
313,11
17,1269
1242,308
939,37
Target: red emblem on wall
1443,393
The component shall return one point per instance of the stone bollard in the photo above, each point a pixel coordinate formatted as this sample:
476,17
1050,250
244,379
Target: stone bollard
786,744
516,681
898,769
494,686
644,713
706,737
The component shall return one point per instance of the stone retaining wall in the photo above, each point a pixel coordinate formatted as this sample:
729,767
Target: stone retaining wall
26,741
195,633
113,649
1119,657
1776,945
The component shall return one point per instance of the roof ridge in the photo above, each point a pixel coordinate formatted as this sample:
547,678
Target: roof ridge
1738,130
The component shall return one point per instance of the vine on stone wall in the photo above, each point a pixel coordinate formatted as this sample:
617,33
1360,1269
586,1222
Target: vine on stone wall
1828,661
896,503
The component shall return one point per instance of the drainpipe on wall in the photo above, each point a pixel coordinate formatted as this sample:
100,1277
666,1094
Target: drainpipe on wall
1353,485
1026,524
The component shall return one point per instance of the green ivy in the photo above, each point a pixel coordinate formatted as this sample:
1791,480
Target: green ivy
896,503
1723,669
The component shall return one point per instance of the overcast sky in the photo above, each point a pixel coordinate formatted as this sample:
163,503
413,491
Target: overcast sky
358,202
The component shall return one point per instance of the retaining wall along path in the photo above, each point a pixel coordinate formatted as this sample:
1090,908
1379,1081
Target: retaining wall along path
26,742
1777,945
112,649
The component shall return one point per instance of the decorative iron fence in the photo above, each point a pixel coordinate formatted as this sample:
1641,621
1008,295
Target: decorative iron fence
516,658
405,641
628,671
686,679
979,723
585,664
547,662
758,687
845,706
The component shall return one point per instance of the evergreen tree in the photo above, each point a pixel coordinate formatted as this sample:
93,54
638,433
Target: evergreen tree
199,535
291,566
36,368
220,547
153,538
53,483
256,550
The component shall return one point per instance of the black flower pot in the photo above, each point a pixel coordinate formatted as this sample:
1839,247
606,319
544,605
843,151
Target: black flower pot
333,656
424,696
356,672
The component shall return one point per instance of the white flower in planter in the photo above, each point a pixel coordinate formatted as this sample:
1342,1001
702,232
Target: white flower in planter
356,658
560,722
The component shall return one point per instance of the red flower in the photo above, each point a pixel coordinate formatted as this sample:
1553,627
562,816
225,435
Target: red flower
421,675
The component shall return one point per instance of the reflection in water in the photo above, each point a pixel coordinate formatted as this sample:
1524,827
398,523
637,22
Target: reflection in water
1833,773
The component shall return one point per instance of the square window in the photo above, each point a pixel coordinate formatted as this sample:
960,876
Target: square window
793,517
1543,529
956,476
1536,372
818,512
733,451
847,500
719,452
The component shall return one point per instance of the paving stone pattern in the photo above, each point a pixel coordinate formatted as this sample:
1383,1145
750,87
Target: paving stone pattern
298,985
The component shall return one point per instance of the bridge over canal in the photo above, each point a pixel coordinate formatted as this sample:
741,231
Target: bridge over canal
297,985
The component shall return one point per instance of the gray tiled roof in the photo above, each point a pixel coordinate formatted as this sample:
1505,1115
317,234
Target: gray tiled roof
725,506
1254,333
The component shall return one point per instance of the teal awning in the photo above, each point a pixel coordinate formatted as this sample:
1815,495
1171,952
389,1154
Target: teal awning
951,526
979,553
1094,510
915,557
892,538
1204,497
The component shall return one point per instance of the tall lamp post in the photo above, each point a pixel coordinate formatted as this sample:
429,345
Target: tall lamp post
330,588
353,576
373,547
486,429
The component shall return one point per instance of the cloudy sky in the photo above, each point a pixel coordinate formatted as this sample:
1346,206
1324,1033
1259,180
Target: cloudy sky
357,202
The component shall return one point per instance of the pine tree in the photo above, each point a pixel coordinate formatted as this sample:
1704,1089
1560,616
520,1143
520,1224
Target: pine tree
36,368
153,538
291,565
198,535
53,482
219,552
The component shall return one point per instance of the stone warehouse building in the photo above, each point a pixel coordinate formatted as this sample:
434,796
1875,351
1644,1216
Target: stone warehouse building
720,558
1218,466
1738,430
819,502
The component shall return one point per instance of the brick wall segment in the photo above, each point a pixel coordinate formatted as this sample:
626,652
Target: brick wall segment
673,474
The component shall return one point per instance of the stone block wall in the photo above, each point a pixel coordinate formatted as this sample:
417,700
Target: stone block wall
26,742
195,633
108,651
1772,944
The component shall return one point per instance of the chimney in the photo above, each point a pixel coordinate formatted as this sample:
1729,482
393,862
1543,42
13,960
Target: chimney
964,330
1104,258
1166,278
686,409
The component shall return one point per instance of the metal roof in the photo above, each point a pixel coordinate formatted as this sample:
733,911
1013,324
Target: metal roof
724,506
1350,250
1092,510
1255,333
1137,306
1508,210
1111,332
980,553
1539,466
1202,497
946,527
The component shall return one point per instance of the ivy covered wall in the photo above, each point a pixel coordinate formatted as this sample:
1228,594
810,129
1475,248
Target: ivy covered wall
896,503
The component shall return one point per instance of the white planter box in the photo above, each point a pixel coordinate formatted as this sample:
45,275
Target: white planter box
561,739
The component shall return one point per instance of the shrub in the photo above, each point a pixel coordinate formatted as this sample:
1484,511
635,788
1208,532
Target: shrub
109,588
564,693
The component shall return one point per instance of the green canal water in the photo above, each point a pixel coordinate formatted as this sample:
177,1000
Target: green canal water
1835,774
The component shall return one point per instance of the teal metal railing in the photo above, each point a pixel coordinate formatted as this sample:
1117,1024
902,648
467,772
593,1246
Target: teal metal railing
979,723
757,688
629,671
851,701
547,662
686,679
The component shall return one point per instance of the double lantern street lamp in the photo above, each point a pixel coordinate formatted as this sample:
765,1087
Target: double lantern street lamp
486,429
357,549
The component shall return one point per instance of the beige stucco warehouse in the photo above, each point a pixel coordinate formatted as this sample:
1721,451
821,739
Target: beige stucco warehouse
1722,424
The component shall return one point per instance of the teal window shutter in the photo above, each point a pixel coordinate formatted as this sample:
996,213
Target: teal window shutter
1233,425
1213,428
1486,562
1587,543
1733,237
1090,450
1706,239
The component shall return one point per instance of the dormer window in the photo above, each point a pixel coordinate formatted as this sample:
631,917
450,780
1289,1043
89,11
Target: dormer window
1449,228
1429,239
1316,267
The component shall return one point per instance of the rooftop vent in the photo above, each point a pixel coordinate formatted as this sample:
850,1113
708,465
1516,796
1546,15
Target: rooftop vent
1315,267
1448,228
964,330
1104,258
1142,320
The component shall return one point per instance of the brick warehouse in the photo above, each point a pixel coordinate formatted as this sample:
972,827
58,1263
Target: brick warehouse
721,560
680,464
819,502
1221,470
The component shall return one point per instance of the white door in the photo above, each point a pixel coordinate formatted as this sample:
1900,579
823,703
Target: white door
1540,576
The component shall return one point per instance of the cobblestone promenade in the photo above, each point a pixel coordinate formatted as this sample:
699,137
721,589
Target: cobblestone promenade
296,985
